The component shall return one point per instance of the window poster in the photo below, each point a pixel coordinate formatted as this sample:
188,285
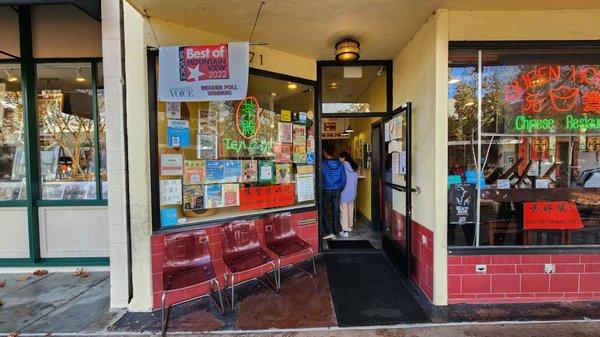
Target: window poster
194,172
232,171
286,116
213,171
397,130
170,192
302,117
207,147
168,217
283,173
265,171
231,195
299,141
284,134
395,163
171,164
299,154
178,133
305,188
213,196
193,197
249,171
207,122
310,150
283,152
173,110
304,169
261,197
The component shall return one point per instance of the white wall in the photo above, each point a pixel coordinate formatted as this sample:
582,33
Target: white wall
420,72
14,240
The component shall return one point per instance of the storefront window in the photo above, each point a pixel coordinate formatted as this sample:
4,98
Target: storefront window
66,129
12,141
525,128
101,131
218,160
354,89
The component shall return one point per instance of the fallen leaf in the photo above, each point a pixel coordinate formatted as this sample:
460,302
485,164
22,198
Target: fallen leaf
40,272
48,334
23,278
13,334
2,283
79,272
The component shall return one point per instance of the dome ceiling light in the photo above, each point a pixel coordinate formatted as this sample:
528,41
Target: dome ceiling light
347,50
334,84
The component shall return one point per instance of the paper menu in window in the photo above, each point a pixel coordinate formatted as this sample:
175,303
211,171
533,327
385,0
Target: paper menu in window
170,192
395,163
265,171
171,164
305,188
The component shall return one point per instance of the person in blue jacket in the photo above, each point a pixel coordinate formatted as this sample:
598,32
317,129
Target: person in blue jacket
334,181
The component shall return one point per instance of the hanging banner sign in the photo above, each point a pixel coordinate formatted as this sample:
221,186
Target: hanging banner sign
203,73
262,197
551,215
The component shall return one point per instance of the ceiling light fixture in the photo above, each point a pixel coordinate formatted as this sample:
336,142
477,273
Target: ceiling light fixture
9,76
78,76
292,85
347,50
453,81
273,94
334,84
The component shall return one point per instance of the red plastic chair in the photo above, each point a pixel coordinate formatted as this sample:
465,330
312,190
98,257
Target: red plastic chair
281,239
242,252
187,263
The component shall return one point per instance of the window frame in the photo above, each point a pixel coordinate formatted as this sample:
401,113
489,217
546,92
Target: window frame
152,61
520,45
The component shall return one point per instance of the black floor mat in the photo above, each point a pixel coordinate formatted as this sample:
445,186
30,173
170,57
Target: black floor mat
366,291
349,244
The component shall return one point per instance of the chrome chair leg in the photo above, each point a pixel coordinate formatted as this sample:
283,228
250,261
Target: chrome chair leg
312,256
165,314
220,306
232,291
269,284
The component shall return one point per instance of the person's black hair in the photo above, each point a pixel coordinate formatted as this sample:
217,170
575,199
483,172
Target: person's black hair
328,148
348,158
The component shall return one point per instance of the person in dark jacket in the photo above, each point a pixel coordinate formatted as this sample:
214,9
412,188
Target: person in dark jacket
334,181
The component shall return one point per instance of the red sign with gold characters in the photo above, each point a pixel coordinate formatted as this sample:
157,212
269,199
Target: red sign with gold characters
551,215
266,196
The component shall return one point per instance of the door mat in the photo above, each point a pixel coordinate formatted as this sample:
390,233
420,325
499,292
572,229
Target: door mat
366,291
349,244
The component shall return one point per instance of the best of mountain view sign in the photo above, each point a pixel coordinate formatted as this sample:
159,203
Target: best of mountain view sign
203,73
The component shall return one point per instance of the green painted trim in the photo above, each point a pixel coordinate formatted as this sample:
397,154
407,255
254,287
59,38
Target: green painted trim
97,163
13,203
58,203
57,262
31,130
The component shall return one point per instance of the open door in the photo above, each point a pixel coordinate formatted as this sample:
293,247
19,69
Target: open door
395,186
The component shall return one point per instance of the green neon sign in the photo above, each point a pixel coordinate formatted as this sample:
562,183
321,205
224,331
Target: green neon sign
570,123
254,146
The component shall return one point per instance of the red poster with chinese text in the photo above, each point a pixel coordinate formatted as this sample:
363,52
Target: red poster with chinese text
551,215
266,196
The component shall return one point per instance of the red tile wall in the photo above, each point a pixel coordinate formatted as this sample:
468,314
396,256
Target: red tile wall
521,278
422,258
307,232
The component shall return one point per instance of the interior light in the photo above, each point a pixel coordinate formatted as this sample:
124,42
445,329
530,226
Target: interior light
349,129
292,85
470,103
453,81
273,94
78,76
334,85
347,50
9,76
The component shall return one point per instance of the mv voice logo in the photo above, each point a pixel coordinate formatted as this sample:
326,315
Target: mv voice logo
201,63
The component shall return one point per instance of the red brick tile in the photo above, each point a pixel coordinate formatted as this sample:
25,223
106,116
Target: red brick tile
157,263
564,282
427,256
535,283
197,291
571,258
453,284
590,258
429,276
561,268
553,295
157,239
520,295
454,260
579,295
501,269
476,259
506,283
530,269
592,268
490,296
455,270
506,259
156,297
175,296
157,282
525,259
589,283
475,284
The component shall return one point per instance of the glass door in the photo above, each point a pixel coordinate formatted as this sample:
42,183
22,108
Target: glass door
395,186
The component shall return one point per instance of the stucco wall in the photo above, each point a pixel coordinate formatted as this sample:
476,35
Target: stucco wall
420,72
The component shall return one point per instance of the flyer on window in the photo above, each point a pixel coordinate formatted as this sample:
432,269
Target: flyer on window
283,173
299,155
286,116
249,171
213,196
193,172
168,217
173,110
232,171
193,197
170,192
265,171
178,133
305,188
231,195
207,122
207,147
171,164
284,134
283,152
213,171
310,149
299,134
